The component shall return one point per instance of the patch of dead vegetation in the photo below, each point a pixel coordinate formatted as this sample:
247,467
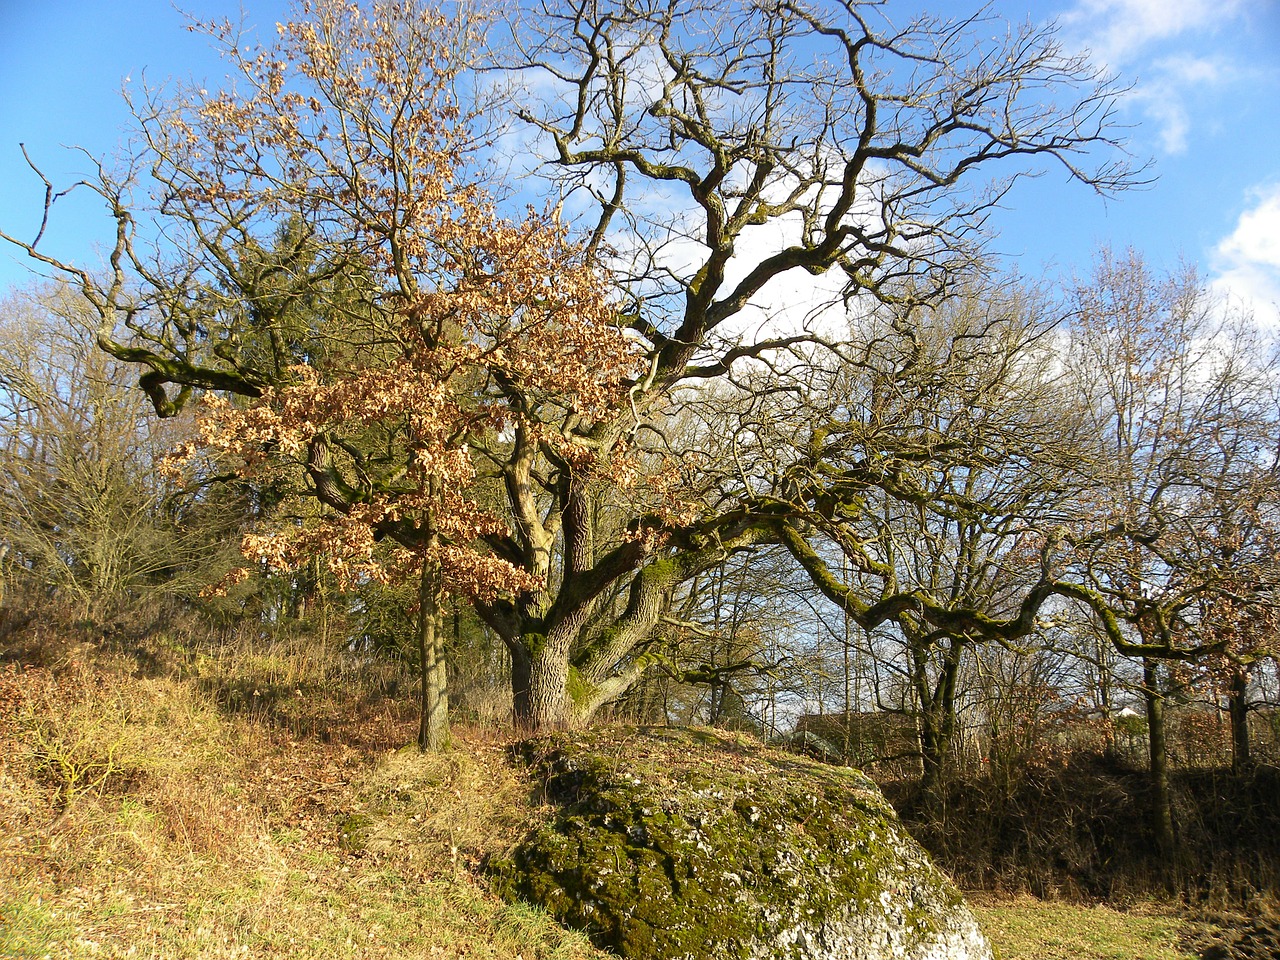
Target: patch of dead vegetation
140,817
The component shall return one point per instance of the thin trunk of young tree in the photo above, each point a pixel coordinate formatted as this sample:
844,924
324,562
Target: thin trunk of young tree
1161,804
433,726
433,673
1238,711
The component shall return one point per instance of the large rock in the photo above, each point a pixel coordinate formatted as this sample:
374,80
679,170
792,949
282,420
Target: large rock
682,845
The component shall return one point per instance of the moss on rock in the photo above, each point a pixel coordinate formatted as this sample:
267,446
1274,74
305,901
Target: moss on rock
672,844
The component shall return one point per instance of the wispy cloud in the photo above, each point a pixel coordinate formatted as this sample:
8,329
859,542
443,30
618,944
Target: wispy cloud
1118,31
1163,95
1167,45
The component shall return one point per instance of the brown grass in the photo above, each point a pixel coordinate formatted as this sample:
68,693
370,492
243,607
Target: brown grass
171,813
1024,928
155,817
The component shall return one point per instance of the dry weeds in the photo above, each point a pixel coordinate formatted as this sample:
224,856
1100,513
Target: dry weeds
149,817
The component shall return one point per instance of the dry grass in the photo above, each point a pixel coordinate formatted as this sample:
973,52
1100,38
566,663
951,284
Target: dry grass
149,817
307,685
252,802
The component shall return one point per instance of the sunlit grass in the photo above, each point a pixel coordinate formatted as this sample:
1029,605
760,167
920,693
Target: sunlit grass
152,817
145,817
1028,929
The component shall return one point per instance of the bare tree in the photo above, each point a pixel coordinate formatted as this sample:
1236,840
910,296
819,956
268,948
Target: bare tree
692,136
923,482
1181,398
85,516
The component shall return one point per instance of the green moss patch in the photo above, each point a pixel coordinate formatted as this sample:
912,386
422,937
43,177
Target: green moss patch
694,843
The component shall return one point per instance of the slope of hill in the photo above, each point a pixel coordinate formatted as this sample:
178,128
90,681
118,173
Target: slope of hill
140,817
259,803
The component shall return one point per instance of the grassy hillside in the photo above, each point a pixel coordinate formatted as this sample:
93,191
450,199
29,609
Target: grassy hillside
258,805
140,818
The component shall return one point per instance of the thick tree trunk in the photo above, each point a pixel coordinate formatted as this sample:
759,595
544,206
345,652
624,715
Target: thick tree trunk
548,691
547,694
1161,812
1238,711
433,725
539,686
607,664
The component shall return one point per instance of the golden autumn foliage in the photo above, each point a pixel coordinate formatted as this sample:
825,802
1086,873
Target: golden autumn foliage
477,324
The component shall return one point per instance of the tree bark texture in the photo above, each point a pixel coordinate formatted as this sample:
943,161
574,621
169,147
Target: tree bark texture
433,726
1238,710
1161,805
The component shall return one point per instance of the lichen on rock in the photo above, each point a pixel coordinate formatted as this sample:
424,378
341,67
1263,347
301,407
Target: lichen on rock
671,844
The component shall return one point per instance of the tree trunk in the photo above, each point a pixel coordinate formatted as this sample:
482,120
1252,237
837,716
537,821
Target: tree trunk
540,686
1105,698
433,725
521,671
716,706
932,753
1238,710
937,715
937,732
1161,805
846,747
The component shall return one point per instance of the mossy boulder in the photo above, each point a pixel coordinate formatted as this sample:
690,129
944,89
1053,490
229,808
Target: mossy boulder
671,844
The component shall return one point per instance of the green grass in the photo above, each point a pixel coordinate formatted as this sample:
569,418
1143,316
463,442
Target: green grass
28,925
1026,929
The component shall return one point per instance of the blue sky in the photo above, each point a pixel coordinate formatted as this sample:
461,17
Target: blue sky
1205,106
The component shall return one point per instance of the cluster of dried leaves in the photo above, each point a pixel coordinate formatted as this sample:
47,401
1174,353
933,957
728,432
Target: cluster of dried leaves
475,325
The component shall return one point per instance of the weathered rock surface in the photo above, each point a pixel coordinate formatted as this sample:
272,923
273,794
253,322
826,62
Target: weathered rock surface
683,845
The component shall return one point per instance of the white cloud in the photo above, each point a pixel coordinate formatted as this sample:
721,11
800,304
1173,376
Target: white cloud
1161,45
1247,261
1163,95
1170,114
1257,234
1190,70
1119,30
